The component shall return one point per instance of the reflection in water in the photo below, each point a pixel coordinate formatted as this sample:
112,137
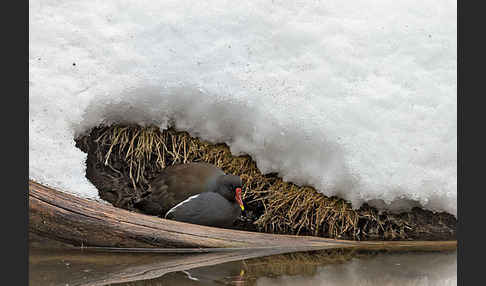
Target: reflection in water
383,269
62,267
380,269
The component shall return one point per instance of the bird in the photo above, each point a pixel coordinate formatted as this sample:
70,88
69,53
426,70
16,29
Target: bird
198,193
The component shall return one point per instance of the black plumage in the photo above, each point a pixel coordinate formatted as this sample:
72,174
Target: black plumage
197,193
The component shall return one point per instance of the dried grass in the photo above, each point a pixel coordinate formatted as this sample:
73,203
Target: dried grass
278,206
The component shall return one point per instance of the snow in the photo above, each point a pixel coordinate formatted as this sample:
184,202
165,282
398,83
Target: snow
356,100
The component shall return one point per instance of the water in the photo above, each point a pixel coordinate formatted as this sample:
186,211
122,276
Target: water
61,266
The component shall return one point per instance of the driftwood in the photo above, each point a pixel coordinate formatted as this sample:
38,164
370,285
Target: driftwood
86,223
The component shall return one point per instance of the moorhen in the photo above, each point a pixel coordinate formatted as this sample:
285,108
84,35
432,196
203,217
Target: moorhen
198,193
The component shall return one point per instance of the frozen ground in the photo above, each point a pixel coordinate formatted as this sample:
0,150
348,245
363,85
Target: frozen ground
356,100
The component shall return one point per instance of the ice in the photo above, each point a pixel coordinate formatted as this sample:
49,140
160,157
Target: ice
356,100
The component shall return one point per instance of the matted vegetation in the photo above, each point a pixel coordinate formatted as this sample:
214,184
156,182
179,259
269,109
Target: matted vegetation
123,159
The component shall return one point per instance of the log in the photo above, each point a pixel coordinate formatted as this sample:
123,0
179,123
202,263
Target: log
86,223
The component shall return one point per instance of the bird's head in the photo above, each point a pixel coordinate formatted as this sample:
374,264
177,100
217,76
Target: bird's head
230,187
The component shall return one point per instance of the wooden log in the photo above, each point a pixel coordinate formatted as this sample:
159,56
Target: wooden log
81,222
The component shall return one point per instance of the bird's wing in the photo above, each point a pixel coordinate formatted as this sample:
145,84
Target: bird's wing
186,180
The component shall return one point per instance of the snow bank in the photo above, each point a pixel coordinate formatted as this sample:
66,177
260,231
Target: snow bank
356,100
